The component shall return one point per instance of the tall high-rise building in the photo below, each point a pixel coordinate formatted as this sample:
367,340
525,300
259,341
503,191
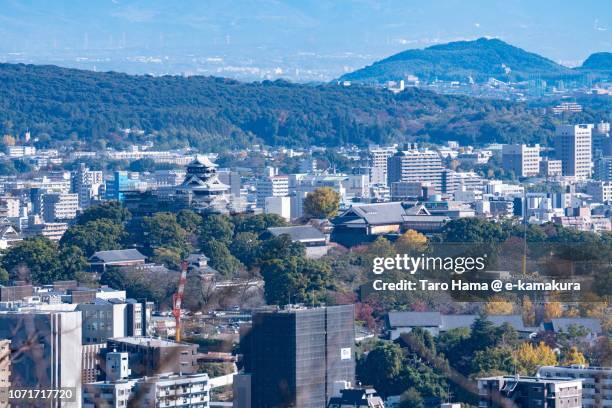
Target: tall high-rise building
86,183
573,148
416,165
45,350
377,164
377,161
523,160
295,356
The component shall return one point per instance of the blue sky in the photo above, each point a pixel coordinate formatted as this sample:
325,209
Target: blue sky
272,30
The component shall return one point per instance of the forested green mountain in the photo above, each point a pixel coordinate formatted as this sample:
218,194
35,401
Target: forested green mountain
598,61
68,105
481,59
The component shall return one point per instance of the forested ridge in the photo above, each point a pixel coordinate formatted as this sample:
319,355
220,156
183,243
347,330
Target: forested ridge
58,104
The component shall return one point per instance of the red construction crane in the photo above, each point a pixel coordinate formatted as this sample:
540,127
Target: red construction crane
177,300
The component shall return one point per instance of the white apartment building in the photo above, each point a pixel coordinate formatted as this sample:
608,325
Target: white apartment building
59,206
523,160
273,186
16,152
596,382
378,164
416,165
551,168
192,391
573,148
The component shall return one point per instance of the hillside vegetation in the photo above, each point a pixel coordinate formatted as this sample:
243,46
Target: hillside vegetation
480,59
70,106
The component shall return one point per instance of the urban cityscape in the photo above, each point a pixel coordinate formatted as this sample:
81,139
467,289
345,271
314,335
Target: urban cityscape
431,230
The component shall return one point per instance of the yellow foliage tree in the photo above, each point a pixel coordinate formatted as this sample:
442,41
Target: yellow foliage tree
323,202
592,306
411,241
8,140
574,356
571,312
498,306
529,358
552,310
528,312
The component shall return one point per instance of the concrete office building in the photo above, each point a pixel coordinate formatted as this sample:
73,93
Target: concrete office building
551,168
105,319
596,382
151,356
573,148
414,165
53,359
603,168
377,160
274,186
59,206
86,184
523,160
294,356
279,206
529,392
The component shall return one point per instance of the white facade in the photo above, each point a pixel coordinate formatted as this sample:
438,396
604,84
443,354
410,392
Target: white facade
523,160
275,186
378,163
278,205
573,148
596,382
416,165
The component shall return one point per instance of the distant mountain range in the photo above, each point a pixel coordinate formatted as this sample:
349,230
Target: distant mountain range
480,59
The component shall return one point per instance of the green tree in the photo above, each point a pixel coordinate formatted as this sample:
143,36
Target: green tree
493,361
257,223
96,235
411,398
246,247
473,230
323,202
34,259
221,258
111,210
4,276
189,220
161,230
281,247
216,227
72,261
296,280
381,368
168,256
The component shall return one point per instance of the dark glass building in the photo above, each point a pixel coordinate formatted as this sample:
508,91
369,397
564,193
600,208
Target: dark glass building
294,356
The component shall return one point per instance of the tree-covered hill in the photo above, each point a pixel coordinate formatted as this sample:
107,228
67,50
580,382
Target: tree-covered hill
59,104
600,61
480,59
